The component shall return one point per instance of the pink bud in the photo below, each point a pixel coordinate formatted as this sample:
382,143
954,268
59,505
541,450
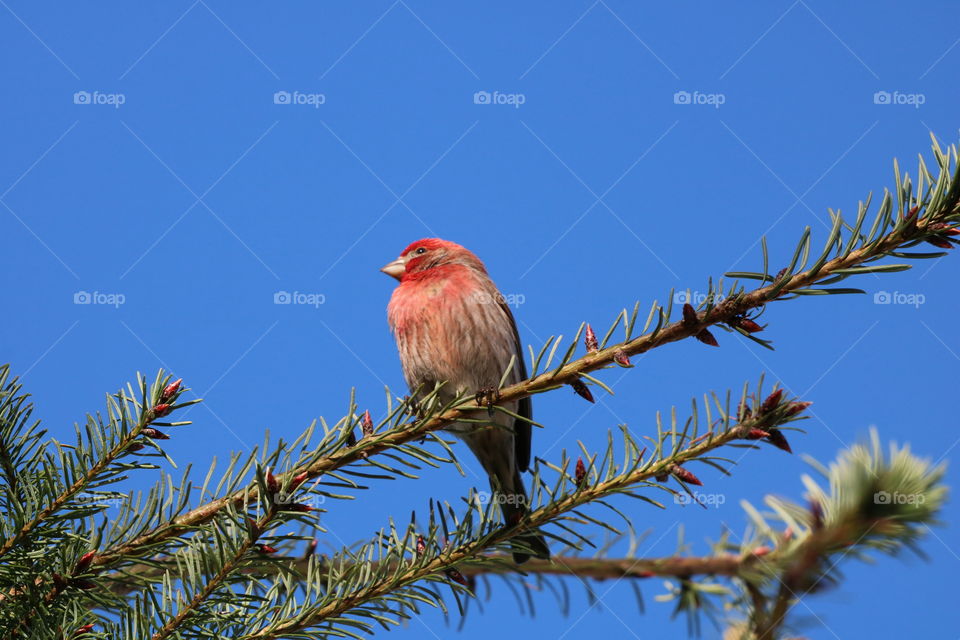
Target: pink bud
772,401
170,390
796,407
273,485
706,337
298,480
366,424
580,473
582,389
456,576
84,562
590,340
161,410
686,476
777,439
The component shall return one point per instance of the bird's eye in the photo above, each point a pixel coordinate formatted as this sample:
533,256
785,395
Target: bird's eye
420,251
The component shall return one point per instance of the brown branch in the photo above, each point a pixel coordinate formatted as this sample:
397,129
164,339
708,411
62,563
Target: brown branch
725,312
560,566
421,568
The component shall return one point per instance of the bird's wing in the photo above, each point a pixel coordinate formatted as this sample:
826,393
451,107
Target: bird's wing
522,429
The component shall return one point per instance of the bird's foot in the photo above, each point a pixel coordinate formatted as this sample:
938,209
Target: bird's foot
487,396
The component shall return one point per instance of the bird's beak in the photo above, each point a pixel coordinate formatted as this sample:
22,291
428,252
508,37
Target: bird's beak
396,268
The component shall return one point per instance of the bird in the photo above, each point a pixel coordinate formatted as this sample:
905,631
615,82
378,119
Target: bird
453,326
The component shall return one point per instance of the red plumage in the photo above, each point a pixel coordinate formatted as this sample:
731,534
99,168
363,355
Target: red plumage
453,326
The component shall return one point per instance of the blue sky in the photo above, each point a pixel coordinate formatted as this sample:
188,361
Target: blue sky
181,163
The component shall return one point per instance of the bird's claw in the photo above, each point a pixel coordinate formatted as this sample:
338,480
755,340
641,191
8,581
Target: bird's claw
487,396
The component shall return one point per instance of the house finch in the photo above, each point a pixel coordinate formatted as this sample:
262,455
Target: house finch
452,326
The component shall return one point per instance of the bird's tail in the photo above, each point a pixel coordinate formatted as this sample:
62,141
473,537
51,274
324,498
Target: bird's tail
513,502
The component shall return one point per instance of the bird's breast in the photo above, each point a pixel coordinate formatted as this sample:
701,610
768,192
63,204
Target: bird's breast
453,331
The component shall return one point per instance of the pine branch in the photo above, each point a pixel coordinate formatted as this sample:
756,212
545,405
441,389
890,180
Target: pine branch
931,217
598,568
470,544
930,214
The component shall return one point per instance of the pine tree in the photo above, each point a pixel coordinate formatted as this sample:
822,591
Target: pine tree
189,560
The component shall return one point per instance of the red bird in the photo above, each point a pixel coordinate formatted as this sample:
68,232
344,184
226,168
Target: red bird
453,326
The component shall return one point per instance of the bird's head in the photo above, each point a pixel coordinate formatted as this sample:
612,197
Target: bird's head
428,254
